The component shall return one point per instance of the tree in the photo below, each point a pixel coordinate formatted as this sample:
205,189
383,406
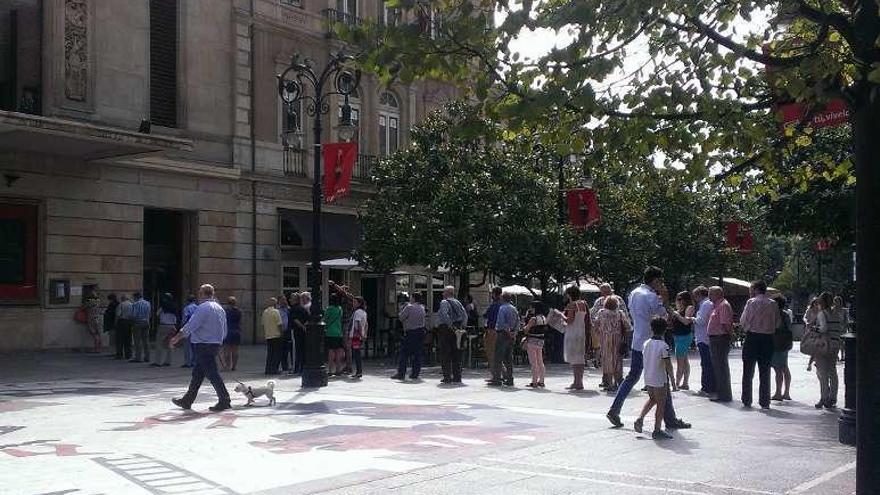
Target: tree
693,83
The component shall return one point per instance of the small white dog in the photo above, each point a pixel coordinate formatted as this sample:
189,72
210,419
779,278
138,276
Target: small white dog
253,392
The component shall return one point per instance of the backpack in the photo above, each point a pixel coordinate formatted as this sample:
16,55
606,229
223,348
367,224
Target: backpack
783,337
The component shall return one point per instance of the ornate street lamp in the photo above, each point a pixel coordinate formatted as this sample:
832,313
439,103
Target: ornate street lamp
292,85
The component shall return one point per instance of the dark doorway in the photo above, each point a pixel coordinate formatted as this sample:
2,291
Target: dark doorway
166,251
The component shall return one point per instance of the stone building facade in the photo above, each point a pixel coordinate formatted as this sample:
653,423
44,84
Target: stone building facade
143,147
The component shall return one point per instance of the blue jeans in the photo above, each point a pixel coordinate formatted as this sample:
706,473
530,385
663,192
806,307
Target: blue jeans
707,378
635,374
411,349
206,367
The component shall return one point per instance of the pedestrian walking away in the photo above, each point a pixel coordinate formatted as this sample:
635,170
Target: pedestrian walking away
412,318
658,373
206,329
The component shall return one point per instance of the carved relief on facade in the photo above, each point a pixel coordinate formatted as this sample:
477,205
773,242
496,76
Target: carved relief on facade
76,53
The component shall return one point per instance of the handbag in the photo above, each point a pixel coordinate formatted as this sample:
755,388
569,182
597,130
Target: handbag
814,343
81,316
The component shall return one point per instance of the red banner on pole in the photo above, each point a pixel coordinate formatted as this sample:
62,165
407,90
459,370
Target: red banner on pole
339,160
835,113
738,236
583,208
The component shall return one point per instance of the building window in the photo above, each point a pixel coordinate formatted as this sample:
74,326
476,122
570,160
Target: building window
389,123
163,62
292,3
428,21
18,253
390,16
354,100
348,7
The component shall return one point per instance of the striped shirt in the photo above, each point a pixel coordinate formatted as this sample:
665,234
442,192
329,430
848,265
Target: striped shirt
140,311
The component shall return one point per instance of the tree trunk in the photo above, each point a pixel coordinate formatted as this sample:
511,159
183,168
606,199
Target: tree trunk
464,286
866,130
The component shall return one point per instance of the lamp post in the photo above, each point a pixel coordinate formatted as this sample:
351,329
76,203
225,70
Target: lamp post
292,84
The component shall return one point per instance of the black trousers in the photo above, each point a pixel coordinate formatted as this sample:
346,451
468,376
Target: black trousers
502,362
719,348
413,340
450,354
206,366
299,350
286,351
123,339
757,349
274,350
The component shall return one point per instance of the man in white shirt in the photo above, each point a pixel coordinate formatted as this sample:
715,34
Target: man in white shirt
701,334
644,305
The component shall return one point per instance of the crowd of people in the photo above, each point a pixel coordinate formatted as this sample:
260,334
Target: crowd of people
647,329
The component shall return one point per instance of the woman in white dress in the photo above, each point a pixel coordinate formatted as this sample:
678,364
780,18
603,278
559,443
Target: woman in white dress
577,324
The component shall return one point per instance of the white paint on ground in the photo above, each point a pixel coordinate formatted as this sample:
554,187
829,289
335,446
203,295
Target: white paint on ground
803,487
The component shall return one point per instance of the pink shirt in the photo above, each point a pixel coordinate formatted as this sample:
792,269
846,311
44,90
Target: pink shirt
722,314
761,315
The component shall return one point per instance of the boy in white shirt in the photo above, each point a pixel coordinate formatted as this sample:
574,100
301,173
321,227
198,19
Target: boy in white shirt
658,369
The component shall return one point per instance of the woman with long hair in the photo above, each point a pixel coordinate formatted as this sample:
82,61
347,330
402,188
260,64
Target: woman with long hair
683,334
535,330
830,323
577,324
358,334
167,319
612,326
333,337
782,343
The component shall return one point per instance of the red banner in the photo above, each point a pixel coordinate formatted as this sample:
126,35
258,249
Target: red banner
833,114
583,208
339,160
738,236
824,244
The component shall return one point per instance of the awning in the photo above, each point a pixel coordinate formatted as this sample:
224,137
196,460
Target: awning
21,132
343,264
584,286
738,282
520,290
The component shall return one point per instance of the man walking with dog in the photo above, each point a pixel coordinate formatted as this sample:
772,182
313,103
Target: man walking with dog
206,330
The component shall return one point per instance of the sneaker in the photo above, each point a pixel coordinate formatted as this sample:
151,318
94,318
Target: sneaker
615,419
776,397
638,425
661,435
446,380
359,375
398,377
678,424
684,387
220,406
820,404
494,383
180,403
831,406
786,397
541,384
506,384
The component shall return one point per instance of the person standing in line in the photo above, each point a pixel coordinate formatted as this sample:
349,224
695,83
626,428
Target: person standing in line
613,326
535,330
110,317
720,329
357,334
167,320
141,310
206,329
123,328
760,319
188,310
451,317
473,317
701,334
412,318
830,322
489,335
782,343
682,330
271,321
286,337
658,373
293,298
94,320
346,302
506,327
233,334
300,319
577,325
333,338
644,305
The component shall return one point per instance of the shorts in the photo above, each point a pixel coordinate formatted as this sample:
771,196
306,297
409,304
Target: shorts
658,394
779,360
683,344
534,342
333,343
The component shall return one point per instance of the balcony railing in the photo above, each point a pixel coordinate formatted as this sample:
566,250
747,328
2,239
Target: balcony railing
294,160
363,167
334,16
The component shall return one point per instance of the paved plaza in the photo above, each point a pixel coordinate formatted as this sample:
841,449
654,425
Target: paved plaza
85,425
